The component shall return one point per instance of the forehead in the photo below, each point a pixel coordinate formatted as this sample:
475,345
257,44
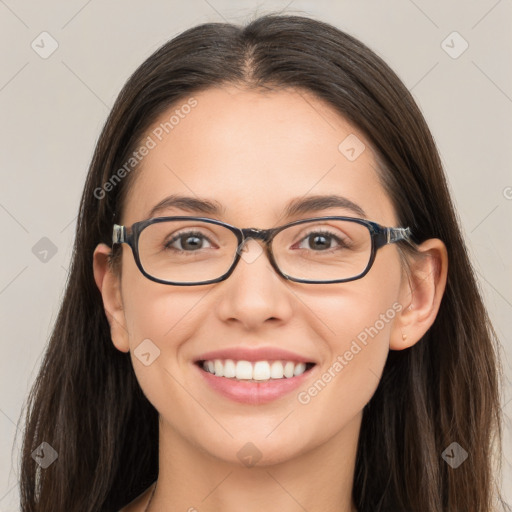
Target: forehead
251,152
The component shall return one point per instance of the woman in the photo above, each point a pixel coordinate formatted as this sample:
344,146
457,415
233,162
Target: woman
348,366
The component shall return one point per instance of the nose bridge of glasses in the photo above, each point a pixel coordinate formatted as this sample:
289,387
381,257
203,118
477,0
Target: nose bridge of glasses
255,234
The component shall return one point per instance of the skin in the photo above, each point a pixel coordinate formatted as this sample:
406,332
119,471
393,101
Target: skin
253,151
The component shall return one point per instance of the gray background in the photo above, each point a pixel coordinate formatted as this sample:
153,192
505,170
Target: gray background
52,110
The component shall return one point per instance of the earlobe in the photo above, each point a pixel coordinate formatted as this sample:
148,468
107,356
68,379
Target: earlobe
421,294
109,286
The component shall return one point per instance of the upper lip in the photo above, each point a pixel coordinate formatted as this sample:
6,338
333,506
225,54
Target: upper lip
254,354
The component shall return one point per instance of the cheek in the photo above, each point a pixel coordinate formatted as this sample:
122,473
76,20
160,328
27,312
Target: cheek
363,320
159,321
356,323
152,310
361,310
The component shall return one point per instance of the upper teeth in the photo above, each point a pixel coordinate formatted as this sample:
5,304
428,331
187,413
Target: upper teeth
259,370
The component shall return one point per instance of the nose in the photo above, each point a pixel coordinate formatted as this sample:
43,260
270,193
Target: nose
254,291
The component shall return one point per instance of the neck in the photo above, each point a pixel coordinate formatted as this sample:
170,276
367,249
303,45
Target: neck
316,479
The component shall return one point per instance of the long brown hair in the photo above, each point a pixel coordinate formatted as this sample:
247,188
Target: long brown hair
86,402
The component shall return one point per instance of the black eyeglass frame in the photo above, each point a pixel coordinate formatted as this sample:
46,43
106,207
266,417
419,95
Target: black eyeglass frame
380,236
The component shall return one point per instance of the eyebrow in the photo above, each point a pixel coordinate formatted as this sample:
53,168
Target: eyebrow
297,206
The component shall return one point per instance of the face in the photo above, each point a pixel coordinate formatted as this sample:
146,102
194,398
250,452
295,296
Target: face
253,152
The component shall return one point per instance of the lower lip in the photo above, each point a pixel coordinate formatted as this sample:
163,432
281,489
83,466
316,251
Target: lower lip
254,393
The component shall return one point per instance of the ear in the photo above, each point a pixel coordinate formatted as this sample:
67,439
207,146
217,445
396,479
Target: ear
420,294
109,286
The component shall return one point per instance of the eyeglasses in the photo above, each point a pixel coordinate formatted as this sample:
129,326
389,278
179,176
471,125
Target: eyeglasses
188,251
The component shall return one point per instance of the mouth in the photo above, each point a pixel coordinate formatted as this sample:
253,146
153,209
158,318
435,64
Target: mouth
254,371
255,382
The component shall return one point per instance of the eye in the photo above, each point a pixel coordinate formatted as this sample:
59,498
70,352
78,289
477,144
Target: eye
322,239
189,241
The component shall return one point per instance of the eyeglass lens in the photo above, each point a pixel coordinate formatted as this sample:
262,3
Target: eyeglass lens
195,251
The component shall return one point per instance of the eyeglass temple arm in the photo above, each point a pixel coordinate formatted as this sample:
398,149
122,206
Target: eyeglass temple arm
397,234
118,234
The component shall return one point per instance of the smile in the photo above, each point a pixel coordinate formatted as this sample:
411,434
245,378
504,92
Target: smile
255,371
254,383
